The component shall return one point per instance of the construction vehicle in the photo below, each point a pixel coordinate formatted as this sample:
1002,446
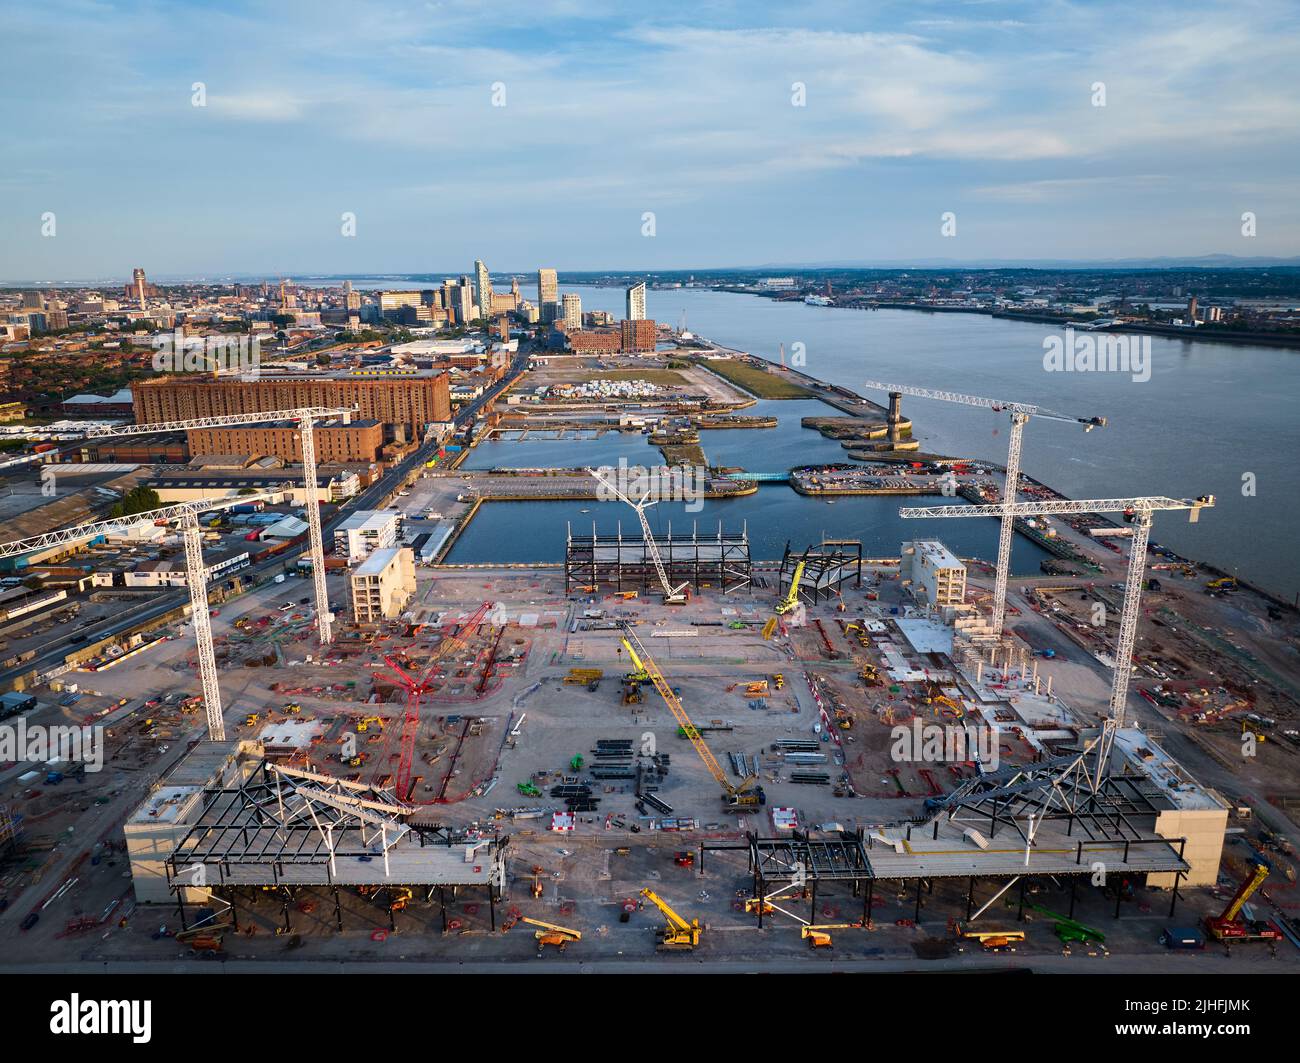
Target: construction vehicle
1071,930
993,940
1229,925
769,628
550,934
585,676
747,796
685,858
576,763
791,599
627,596
1227,583
1181,937
778,681
632,680
528,789
678,933
757,689
816,937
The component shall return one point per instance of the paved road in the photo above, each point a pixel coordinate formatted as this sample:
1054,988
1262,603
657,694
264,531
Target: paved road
1149,963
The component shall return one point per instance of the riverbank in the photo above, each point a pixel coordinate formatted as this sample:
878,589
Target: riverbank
1198,333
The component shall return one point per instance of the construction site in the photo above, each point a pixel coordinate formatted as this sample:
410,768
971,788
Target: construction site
661,744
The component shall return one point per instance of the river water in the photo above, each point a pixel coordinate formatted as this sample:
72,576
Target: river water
1212,418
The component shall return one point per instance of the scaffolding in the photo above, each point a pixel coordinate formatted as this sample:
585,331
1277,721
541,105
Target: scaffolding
624,563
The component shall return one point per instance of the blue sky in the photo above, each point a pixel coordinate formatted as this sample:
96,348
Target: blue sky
981,108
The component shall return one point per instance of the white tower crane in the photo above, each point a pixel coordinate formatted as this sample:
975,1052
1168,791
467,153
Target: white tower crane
672,595
1020,415
1139,512
305,416
186,514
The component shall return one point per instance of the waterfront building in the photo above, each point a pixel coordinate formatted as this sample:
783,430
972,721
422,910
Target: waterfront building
636,302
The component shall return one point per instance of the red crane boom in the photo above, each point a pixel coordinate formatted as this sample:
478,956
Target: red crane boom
416,689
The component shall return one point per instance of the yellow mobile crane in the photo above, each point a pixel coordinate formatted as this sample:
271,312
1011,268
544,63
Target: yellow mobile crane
741,798
791,599
678,934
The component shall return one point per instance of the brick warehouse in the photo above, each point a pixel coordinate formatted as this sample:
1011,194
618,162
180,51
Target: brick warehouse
361,440
414,399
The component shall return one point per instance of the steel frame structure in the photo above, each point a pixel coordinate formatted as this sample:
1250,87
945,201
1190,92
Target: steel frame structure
281,817
671,593
623,563
777,865
1061,788
823,570
289,829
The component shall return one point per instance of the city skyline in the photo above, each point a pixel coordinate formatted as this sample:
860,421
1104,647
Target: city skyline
750,138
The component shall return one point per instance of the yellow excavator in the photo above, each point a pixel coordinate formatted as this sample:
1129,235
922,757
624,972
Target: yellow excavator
550,934
678,933
791,599
745,797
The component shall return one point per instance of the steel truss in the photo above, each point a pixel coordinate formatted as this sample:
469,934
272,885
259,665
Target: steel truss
286,822
1021,798
625,563
824,569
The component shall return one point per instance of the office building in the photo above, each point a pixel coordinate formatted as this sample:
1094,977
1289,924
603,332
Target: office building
548,294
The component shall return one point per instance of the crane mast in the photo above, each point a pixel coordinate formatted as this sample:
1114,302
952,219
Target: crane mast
186,514
416,689
672,595
1020,414
1139,512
